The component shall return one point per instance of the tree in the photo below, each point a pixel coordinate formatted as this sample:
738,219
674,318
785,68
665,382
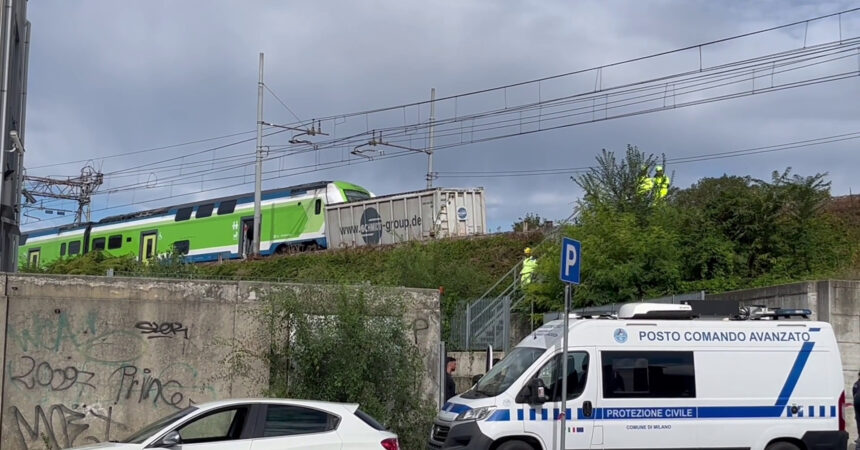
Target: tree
616,184
531,222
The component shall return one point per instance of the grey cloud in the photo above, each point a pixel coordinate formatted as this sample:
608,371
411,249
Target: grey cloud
109,77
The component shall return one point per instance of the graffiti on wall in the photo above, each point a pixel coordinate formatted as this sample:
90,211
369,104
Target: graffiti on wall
72,378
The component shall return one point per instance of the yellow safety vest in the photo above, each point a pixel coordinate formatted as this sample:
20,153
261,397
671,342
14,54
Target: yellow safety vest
662,184
529,266
645,186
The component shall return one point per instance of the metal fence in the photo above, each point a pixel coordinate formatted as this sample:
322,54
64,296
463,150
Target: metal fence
487,320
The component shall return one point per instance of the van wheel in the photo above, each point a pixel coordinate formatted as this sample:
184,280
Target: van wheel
516,445
782,446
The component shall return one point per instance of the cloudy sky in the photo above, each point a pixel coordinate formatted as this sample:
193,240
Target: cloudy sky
109,81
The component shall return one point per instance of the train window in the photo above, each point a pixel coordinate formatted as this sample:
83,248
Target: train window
74,247
226,207
205,210
99,244
184,213
115,242
181,247
63,249
355,196
317,207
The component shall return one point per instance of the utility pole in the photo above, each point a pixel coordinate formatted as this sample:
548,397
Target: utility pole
430,147
258,179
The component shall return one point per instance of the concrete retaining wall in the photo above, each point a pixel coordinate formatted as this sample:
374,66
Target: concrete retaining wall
88,359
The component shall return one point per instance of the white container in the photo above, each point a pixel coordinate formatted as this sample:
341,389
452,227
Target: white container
422,215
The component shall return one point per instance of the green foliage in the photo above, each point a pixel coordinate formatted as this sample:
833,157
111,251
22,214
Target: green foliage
98,263
720,234
354,349
615,184
531,222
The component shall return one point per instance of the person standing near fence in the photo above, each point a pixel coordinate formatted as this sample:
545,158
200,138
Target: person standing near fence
450,386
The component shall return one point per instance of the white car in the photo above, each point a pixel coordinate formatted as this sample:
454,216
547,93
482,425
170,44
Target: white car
262,424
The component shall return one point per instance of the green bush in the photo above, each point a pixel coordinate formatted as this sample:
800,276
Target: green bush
353,348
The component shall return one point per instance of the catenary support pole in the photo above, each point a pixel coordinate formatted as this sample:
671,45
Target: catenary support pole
258,178
430,146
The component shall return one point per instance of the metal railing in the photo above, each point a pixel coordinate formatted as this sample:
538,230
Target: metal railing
487,320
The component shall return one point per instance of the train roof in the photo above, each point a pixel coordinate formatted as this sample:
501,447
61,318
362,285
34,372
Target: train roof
299,188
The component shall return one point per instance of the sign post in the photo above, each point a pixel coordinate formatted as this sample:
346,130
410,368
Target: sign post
571,252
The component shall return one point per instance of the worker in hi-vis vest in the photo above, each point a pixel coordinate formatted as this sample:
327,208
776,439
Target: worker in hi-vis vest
529,266
645,182
660,183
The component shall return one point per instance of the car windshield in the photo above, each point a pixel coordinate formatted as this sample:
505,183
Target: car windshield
503,374
157,426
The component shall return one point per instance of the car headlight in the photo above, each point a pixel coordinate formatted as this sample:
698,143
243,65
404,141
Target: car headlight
477,413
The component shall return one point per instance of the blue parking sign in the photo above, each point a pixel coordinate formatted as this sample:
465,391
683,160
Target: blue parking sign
571,255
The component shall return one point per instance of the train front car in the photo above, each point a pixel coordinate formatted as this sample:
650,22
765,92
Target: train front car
293,220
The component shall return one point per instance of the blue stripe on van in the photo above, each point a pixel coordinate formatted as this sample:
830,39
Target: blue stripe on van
456,408
690,412
502,415
794,375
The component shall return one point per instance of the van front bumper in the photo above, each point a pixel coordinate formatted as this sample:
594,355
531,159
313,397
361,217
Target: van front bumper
458,436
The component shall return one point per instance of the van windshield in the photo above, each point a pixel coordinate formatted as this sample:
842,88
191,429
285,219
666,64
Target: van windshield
503,374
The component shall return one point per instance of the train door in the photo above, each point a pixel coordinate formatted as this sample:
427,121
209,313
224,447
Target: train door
246,237
33,257
148,245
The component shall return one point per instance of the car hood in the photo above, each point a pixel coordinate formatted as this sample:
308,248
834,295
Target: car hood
115,445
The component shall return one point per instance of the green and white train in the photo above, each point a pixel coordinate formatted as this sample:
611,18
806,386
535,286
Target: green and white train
208,230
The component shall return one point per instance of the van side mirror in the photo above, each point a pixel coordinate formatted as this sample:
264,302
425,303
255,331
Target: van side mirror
171,439
533,393
476,379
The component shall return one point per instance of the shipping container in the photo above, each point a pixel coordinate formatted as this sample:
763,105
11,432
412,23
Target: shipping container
429,214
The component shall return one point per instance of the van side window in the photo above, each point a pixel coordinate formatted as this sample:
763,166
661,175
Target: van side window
577,375
648,374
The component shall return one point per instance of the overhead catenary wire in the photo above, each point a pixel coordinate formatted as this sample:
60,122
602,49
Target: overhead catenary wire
565,108
146,150
544,116
281,102
678,160
601,67
299,170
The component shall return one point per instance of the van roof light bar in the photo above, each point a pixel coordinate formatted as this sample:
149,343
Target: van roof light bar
759,312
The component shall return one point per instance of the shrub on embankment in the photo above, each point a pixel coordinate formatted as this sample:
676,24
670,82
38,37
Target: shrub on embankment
464,268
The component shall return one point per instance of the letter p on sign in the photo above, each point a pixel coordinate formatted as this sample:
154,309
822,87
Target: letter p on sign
571,255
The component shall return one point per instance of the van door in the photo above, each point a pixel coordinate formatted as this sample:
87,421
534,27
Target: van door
544,421
648,399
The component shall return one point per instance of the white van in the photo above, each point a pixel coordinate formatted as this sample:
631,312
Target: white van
654,378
